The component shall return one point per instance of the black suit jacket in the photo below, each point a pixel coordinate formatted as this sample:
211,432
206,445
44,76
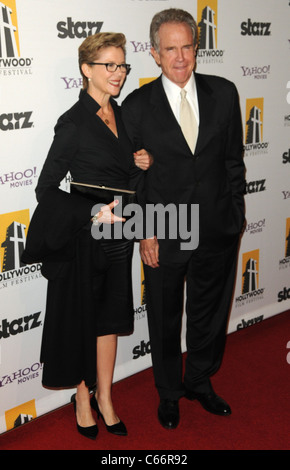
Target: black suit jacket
213,177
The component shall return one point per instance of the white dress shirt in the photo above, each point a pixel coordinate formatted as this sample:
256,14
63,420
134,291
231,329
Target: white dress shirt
173,95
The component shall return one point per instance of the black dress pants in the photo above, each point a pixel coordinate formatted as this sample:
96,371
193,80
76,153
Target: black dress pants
209,277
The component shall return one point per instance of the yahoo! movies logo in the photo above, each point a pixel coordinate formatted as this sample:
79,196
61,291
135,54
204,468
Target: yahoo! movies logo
11,60
254,144
257,72
250,288
207,19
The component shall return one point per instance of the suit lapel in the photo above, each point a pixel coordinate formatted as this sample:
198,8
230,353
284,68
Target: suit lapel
206,103
160,106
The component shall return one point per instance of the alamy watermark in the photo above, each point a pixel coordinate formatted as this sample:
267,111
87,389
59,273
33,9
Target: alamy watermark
171,221
288,354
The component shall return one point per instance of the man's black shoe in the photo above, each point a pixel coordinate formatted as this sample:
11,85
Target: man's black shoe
211,402
168,413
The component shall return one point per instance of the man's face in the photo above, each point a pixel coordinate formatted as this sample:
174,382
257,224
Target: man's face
176,55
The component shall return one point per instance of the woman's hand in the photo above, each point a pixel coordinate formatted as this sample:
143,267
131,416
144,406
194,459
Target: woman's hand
143,159
106,216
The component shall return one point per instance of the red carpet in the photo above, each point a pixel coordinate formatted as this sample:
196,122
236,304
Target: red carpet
254,379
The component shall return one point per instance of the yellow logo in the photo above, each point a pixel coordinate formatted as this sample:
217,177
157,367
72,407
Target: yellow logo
9,30
250,269
13,231
287,240
20,414
144,81
207,20
143,290
254,120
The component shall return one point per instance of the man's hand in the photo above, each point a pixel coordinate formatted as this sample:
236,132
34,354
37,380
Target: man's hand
149,251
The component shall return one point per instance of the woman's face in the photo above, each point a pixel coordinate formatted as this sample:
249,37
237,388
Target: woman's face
103,83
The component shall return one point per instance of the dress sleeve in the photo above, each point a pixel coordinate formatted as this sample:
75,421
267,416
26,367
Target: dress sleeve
62,151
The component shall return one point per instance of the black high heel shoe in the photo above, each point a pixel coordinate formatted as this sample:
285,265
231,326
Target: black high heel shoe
119,428
90,431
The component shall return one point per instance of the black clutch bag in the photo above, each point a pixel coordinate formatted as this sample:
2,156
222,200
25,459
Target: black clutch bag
103,194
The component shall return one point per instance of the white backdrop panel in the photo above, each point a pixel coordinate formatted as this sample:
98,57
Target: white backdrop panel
39,80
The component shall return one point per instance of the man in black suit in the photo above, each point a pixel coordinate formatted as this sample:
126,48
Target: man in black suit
209,172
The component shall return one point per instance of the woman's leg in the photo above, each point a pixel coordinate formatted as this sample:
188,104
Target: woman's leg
83,408
106,357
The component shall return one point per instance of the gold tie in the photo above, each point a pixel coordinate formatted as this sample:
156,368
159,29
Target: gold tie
188,122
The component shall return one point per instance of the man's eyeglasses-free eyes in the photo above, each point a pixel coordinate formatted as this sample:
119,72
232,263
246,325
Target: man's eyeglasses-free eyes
111,67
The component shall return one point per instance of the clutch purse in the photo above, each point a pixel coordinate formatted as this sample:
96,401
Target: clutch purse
103,194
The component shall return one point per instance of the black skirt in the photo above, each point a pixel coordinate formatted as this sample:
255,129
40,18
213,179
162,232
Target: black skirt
113,289
90,296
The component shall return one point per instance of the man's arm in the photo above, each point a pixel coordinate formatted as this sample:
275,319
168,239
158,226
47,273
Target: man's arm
149,248
234,156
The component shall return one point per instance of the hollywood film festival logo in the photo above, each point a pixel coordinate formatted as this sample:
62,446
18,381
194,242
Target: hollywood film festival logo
11,60
250,288
21,414
141,310
13,229
284,263
207,19
254,142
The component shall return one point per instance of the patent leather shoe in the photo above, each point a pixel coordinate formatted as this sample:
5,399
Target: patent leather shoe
210,402
90,432
119,429
168,413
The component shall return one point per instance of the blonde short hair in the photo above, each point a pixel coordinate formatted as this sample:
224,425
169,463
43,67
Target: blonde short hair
91,46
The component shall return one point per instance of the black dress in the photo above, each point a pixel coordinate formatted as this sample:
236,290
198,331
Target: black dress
89,290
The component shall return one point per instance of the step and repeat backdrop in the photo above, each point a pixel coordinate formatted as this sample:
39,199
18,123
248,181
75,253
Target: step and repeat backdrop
247,42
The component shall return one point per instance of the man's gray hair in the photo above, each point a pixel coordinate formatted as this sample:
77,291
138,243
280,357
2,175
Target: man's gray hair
172,15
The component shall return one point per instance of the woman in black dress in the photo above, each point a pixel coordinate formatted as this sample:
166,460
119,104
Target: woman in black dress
89,281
